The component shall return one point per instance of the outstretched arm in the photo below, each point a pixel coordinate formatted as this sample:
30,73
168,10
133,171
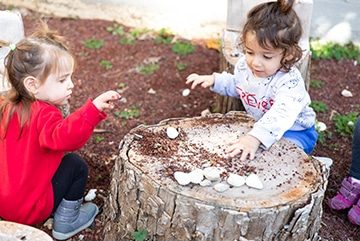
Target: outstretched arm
205,81
103,101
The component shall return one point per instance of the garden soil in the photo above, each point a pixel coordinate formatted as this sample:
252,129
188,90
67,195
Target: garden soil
150,98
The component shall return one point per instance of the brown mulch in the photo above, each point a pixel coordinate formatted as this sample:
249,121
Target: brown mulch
90,79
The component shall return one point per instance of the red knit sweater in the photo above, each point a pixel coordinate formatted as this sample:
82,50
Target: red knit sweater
28,160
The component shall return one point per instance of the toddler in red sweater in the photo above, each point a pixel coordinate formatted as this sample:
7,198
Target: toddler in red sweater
39,175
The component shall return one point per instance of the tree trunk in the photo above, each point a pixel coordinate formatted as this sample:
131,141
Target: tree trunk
145,195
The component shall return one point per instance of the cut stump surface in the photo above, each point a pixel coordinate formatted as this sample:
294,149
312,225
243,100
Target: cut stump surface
145,195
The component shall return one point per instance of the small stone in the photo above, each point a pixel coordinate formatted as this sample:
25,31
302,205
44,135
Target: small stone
221,187
254,181
123,100
186,92
182,178
236,180
49,223
212,173
90,195
205,112
320,126
171,132
205,183
346,93
151,91
196,176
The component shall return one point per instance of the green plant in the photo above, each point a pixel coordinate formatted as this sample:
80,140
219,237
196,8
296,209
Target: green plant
137,32
140,235
148,69
99,139
319,106
94,43
122,85
181,66
106,64
344,124
316,84
116,29
334,51
131,113
127,40
163,36
182,48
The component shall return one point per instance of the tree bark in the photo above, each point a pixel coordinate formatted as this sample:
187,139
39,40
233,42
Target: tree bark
144,194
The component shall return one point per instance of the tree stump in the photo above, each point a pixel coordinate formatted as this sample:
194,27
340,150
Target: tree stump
144,194
10,231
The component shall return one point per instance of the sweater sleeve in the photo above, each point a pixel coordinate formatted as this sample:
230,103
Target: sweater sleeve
225,83
71,133
290,99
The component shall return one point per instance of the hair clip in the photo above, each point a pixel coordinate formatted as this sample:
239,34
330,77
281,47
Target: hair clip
12,47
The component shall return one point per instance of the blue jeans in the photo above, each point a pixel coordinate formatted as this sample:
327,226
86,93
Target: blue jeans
305,139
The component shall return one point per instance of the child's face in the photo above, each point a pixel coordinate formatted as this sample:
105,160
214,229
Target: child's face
57,88
262,62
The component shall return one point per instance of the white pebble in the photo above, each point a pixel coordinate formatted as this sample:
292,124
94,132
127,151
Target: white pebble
151,91
221,187
212,173
49,223
196,176
171,132
185,92
254,181
90,195
320,126
182,178
205,112
205,183
236,180
346,93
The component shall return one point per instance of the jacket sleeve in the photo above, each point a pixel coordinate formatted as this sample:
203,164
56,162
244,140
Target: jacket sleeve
71,133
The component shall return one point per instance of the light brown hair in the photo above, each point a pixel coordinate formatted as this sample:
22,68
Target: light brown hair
276,25
34,56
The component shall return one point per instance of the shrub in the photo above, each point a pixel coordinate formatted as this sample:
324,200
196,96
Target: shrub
334,51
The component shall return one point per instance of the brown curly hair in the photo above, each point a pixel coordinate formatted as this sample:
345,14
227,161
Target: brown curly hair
276,25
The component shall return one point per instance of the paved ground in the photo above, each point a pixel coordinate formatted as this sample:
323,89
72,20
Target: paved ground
336,20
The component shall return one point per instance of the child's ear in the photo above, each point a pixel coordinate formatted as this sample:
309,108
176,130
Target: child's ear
31,84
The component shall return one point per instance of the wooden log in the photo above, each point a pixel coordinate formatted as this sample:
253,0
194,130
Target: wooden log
10,231
144,194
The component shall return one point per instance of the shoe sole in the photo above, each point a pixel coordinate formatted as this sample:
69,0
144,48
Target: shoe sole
63,236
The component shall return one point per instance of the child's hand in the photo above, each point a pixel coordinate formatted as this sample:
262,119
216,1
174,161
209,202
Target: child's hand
103,101
246,145
205,80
